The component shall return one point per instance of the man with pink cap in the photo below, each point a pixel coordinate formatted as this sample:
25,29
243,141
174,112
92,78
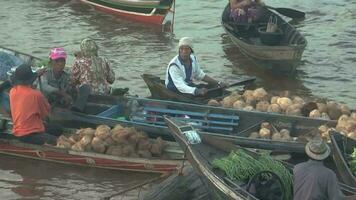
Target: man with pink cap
56,84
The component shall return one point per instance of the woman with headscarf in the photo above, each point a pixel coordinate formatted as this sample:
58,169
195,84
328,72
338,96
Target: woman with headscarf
91,69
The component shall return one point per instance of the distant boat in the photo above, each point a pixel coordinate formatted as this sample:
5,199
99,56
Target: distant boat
283,55
148,11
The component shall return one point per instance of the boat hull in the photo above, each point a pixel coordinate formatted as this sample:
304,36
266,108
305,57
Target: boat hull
152,14
283,57
89,159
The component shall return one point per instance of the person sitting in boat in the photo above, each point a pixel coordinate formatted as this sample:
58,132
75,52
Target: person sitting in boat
29,108
183,68
312,180
91,69
55,82
245,11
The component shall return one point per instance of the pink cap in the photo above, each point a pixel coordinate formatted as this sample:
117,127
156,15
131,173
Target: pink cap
57,53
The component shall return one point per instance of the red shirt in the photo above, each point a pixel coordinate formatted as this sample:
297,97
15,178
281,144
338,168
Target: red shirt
28,108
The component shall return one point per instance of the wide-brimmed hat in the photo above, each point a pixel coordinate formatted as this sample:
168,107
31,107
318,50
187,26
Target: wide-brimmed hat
24,75
317,149
185,41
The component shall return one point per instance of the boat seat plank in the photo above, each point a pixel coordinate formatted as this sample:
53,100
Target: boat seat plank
190,113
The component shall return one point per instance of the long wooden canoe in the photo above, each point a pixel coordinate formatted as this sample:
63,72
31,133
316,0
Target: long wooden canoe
148,114
283,57
169,162
342,149
201,155
148,11
159,91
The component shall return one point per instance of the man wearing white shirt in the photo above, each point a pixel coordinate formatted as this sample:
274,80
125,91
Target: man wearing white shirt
184,68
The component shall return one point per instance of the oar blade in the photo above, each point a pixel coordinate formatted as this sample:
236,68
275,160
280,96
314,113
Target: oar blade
291,13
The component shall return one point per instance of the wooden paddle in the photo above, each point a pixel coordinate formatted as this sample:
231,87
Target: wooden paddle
244,82
294,14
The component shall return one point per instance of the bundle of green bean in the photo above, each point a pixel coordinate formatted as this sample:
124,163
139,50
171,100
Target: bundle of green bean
353,162
240,166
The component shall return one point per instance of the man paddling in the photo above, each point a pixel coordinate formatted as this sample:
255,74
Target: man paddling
184,68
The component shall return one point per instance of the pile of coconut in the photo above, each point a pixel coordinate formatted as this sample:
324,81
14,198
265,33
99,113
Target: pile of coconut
268,131
119,141
284,103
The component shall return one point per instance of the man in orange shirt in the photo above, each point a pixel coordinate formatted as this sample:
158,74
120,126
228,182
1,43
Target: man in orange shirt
29,108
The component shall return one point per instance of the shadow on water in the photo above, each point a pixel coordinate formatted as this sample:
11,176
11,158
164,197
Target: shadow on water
271,81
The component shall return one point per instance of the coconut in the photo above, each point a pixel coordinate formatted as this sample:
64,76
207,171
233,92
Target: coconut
345,110
228,101
352,135
85,131
274,108
109,141
274,99
120,135
342,123
213,102
239,104
86,140
127,150
353,115
285,134
133,139
254,135
248,108
75,138
322,107
103,131
260,94
115,151
144,154
323,128
293,109
144,144
350,125
307,108
250,100
284,102
277,136
157,147
77,147
266,125
315,114
262,106
334,110
98,145
247,93
298,100
325,116
64,142
265,133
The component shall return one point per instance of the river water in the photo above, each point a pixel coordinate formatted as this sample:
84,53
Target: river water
327,70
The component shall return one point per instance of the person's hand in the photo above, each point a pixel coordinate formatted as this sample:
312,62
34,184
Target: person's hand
200,91
41,71
240,12
222,84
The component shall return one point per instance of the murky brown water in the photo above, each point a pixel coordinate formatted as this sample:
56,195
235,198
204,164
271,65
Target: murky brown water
327,69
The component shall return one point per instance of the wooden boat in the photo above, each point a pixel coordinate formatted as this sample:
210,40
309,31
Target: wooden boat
148,11
342,148
159,91
169,162
148,115
200,155
282,57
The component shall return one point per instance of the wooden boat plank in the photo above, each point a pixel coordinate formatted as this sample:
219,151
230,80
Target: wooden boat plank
342,145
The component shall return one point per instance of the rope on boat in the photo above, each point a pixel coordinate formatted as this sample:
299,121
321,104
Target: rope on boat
165,175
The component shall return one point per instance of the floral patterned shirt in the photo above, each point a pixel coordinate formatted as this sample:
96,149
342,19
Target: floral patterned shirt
99,80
